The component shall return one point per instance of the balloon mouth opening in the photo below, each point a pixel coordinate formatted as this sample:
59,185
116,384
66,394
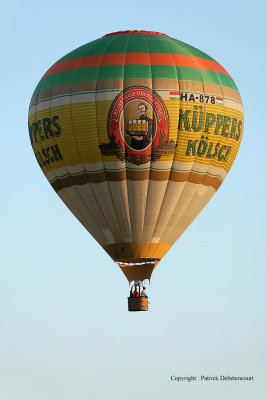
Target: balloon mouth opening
138,271
141,32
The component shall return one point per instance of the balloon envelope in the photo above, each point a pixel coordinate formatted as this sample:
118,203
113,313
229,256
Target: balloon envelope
136,131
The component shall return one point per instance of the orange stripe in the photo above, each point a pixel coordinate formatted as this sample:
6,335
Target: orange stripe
117,176
198,62
176,60
138,58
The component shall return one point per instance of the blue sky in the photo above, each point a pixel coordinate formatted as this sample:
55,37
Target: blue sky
65,332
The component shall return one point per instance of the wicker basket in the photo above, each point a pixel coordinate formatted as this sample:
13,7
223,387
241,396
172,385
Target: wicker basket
137,303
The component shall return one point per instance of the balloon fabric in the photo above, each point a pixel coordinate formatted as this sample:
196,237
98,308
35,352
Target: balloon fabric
136,131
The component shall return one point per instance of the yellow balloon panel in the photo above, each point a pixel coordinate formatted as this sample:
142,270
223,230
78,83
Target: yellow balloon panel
205,134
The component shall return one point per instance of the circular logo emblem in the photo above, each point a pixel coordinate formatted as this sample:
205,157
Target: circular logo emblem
138,127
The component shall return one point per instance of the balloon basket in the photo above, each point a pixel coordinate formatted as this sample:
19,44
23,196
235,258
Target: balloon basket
137,303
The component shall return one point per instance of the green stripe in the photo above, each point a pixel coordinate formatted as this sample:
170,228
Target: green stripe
205,76
177,47
95,47
135,44
135,71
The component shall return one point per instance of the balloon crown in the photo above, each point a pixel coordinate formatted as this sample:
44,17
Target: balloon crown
129,32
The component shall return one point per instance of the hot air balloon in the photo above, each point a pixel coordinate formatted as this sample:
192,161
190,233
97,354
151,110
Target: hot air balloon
136,131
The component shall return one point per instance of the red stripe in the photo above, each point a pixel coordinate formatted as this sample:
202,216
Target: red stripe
136,58
219,98
174,93
135,32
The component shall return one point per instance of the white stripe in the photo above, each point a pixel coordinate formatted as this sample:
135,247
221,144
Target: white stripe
73,99
110,95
